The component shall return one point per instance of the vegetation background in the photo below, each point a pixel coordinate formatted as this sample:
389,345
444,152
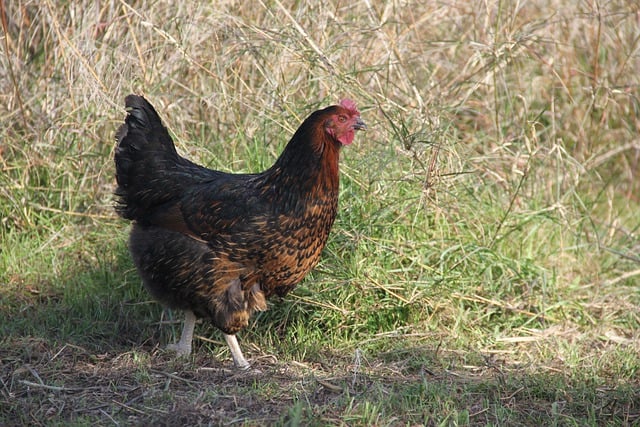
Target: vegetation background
483,269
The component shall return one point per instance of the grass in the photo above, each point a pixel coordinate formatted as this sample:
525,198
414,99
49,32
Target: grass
483,268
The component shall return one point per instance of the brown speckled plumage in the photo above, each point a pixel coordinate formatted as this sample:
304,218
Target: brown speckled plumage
219,244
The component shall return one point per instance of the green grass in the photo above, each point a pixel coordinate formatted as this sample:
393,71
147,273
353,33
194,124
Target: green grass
483,268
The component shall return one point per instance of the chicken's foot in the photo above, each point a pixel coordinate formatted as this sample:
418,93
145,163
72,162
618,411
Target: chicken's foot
236,353
183,347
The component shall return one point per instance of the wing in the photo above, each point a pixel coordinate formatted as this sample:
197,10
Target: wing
221,205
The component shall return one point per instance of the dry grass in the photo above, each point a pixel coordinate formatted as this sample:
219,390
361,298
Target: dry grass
486,252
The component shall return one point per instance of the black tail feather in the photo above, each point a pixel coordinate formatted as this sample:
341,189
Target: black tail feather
149,172
144,155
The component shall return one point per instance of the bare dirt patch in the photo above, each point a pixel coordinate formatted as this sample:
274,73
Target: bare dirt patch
42,382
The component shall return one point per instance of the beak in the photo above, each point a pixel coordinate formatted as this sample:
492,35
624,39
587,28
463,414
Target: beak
359,124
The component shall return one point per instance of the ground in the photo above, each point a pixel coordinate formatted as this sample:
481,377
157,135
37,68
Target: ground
44,384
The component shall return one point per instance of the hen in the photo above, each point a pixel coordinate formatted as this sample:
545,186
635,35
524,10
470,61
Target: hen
216,244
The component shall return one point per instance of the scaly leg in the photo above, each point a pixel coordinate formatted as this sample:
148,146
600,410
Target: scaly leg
183,347
236,353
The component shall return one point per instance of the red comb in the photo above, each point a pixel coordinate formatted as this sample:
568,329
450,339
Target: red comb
350,105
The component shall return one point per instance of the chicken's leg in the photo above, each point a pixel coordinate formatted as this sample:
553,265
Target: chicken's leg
236,353
183,347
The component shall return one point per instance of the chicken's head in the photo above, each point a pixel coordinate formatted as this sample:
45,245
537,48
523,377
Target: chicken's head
344,121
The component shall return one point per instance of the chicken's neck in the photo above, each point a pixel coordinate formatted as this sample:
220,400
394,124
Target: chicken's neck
306,171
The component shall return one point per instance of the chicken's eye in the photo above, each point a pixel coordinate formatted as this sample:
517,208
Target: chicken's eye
342,119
